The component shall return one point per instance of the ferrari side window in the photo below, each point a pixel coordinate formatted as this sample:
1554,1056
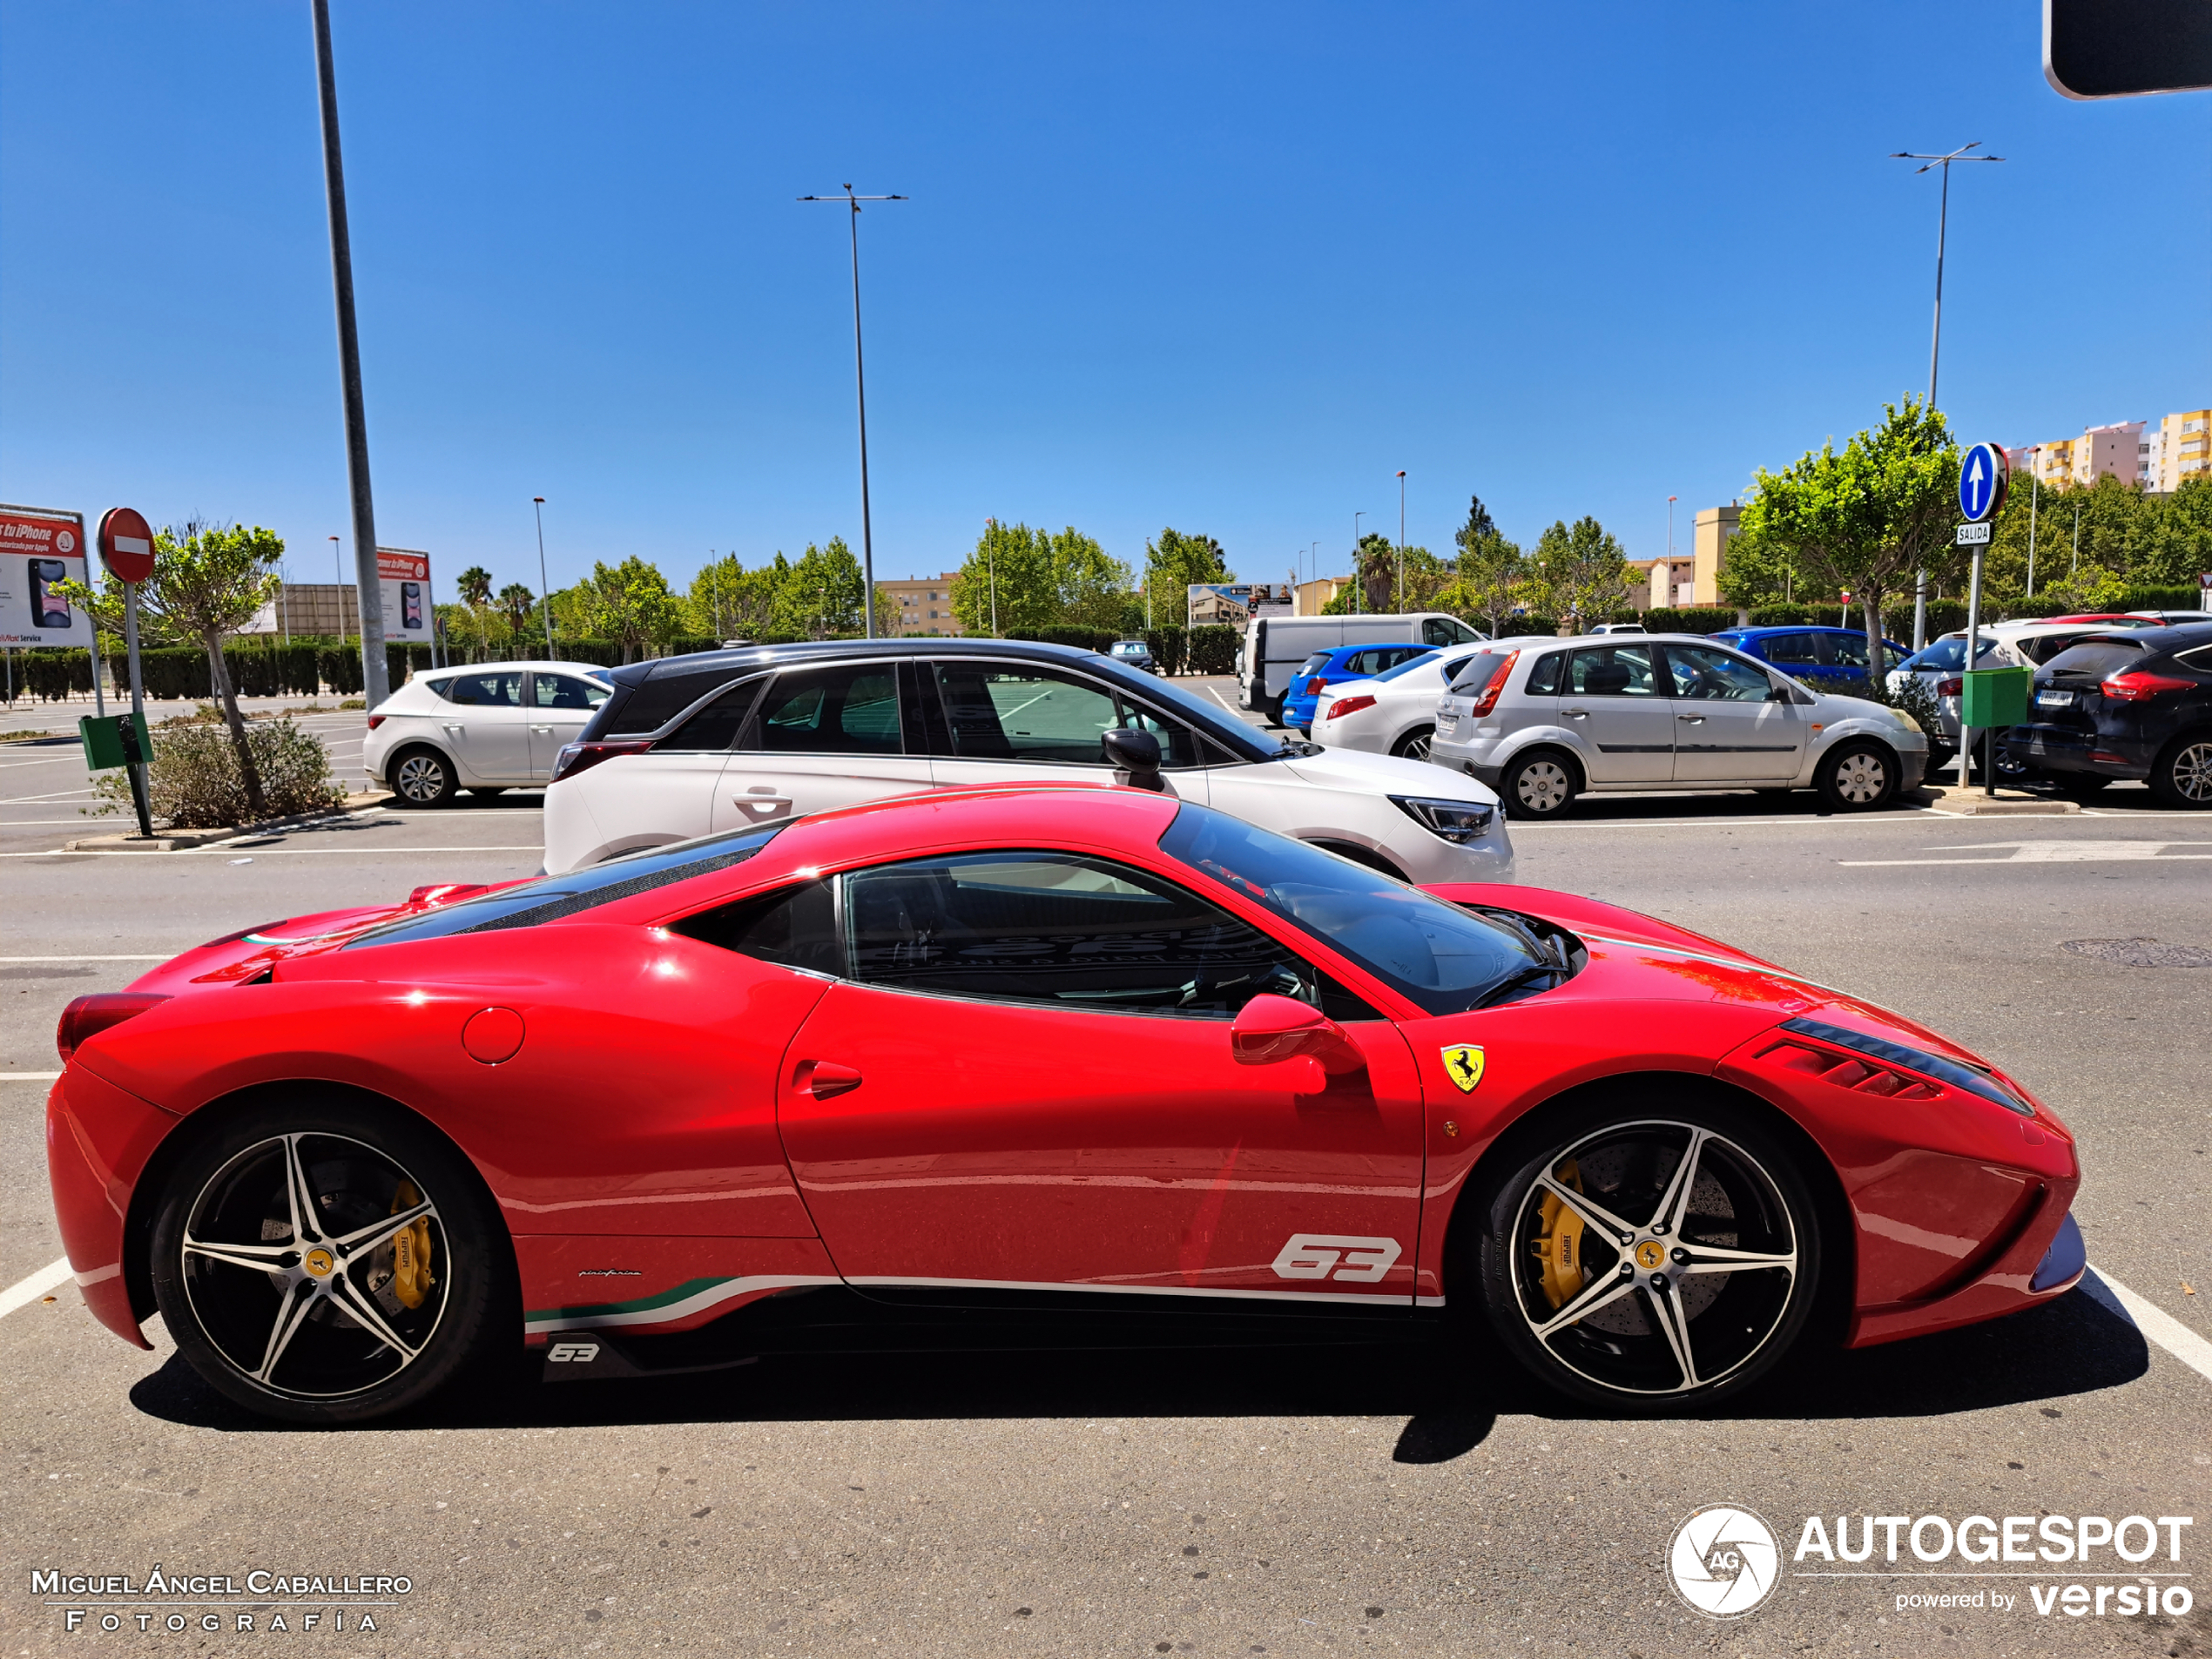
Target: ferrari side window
1064,930
791,926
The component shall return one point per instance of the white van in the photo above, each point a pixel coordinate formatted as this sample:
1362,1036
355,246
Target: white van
1275,645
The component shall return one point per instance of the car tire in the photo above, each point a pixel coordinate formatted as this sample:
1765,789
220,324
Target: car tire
1535,1257
1858,776
354,1325
1415,744
2181,776
1538,785
421,776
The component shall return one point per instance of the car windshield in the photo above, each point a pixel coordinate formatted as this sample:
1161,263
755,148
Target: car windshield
1314,663
1945,655
1130,648
552,897
1445,959
2094,658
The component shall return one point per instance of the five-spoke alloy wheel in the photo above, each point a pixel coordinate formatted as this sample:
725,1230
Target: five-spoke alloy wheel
1656,1259
325,1269
423,778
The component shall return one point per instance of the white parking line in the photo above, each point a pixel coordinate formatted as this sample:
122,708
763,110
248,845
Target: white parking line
27,1076
83,959
29,1290
2156,1324
2053,852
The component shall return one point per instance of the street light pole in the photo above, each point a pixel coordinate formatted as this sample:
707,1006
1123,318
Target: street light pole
1935,344
1357,580
338,563
1401,540
860,390
544,587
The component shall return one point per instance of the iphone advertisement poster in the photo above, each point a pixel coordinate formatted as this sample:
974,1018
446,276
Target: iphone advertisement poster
403,583
39,550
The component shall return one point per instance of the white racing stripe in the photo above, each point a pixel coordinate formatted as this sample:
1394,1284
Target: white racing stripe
2156,1324
39,1284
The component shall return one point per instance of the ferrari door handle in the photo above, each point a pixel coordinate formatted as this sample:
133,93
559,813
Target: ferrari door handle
824,1080
1692,719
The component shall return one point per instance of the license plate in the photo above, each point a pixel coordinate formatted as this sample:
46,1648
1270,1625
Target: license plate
1448,722
2054,699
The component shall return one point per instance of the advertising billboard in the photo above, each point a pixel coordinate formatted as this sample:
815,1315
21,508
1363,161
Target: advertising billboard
1236,602
404,580
39,549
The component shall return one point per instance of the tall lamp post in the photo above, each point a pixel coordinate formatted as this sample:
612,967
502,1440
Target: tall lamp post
1935,345
861,389
1358,578
544,587
1401,540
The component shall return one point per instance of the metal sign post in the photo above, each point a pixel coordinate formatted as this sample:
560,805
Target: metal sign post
1982,477
126,548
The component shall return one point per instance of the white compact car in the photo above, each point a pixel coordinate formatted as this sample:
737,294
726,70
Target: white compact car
1394,712
689,745
485,728
1544,722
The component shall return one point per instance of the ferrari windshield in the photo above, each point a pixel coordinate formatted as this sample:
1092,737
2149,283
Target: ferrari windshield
1446,958
552,897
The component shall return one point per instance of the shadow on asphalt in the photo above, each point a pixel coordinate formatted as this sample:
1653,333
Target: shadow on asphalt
1451,1392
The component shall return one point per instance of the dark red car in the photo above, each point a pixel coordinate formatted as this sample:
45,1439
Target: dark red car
1078,1046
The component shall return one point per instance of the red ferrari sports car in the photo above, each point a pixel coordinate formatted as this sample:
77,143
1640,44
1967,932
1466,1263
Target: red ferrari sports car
1080,1045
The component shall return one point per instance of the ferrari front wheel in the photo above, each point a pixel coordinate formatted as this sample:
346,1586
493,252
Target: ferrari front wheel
328,1267
1651,1259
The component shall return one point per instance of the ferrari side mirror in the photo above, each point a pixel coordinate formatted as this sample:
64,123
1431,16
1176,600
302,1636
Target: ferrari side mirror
1134,756
1269,1029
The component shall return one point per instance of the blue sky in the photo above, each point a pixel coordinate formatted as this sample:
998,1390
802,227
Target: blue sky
1223,268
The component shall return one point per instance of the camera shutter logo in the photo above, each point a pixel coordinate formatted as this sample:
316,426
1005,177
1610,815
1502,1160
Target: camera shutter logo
1724,1562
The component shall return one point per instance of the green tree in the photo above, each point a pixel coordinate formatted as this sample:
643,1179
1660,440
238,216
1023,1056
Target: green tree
1172,564
473,615
1039,579
1862,522
819,597
518,608
2177,548
1491,578
730,602
207,582
1578,573
475,585
629,602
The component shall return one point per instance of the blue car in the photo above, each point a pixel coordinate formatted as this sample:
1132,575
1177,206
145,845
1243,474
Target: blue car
1831,659
1326,668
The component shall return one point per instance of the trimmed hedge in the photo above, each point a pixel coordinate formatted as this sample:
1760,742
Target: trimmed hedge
1212,649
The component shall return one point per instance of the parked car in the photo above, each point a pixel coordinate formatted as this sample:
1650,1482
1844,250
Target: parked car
1135,653
2005,645
1395,713
487,728
1004,1050
1619,628
693,745
1828,658
1274,647
1542,725
1327,668
2137,705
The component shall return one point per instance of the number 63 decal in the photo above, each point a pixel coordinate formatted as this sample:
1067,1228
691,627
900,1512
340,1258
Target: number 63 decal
1316,1256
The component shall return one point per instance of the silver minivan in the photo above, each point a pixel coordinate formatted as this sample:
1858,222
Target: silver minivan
1603,713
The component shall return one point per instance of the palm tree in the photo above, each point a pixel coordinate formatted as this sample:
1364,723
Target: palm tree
516,603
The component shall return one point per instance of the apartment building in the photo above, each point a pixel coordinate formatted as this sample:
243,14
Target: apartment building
2178,449
924,606
2158,457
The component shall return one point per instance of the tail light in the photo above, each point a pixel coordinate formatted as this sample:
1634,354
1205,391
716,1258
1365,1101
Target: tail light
375,720
581,757
1487,699
1344,705
1953,687
1313,686
2141,685
89,1016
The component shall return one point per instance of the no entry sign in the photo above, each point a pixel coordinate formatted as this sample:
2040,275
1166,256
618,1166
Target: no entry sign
126,544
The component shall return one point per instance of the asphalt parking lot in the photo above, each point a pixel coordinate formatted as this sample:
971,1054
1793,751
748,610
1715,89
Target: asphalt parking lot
1292,1499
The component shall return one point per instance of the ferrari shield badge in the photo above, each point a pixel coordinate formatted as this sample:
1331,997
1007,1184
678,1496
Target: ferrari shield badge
1463,1064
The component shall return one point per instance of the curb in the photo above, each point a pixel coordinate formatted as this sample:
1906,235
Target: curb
184,840
2007,803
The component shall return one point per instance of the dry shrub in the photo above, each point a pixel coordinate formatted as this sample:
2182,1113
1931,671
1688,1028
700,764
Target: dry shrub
193,780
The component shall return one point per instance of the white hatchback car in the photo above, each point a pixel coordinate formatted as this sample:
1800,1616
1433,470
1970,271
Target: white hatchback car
689,745
1544,722
485,728
1394,712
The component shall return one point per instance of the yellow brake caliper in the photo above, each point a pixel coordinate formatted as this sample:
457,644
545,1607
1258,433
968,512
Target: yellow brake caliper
411,1279
1559,1242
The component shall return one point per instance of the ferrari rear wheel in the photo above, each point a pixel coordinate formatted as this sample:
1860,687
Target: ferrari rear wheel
328,1267
1651,1260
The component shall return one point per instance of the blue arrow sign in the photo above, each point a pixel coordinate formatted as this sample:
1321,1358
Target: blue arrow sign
1981,482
